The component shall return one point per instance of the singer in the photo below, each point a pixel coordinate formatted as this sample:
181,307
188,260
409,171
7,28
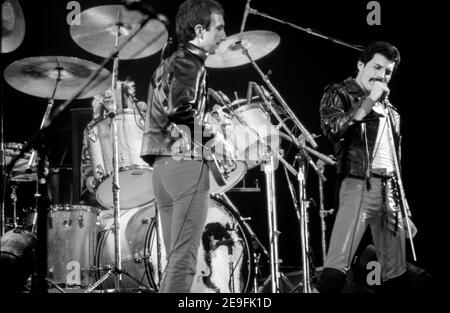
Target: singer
354,117
178,97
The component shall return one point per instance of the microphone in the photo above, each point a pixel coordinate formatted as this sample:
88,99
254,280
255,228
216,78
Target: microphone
244,18
138,5
384,97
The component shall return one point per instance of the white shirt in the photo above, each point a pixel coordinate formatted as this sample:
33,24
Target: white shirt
383,156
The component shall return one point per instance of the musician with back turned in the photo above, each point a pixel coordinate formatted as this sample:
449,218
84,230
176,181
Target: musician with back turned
178,101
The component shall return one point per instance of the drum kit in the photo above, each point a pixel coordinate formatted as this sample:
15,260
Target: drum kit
87,246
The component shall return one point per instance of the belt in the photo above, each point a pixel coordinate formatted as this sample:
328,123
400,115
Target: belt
381,173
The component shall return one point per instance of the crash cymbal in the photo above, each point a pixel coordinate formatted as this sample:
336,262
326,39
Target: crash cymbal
259,43
13,25
98,28
37,76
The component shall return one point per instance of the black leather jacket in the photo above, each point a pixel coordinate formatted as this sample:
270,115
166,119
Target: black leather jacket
353,140
177,95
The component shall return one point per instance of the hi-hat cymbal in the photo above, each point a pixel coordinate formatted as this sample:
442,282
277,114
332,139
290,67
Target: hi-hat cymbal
37,76
258,43
13,25
98,28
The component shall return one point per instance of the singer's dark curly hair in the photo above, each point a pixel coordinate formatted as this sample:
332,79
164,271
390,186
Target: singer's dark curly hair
384,48
195,12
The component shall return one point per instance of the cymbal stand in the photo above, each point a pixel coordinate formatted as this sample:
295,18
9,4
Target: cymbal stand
268,166
42,204
301,144
117,269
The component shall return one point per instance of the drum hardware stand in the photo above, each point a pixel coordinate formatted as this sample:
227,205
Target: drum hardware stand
301,144
268,165
244,188
117,269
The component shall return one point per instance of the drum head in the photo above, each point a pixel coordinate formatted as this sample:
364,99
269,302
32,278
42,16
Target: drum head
136,189
223,240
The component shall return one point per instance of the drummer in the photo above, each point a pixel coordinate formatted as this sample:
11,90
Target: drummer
101,105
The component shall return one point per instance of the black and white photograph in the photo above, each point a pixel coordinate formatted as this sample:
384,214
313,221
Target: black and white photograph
247,148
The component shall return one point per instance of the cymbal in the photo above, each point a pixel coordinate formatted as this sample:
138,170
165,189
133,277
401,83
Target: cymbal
259,43
13,25
37,76
98,28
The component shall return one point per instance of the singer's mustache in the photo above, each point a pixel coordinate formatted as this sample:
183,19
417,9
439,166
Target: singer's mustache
378,79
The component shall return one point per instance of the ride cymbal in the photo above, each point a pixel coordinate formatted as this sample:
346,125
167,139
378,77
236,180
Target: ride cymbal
37,76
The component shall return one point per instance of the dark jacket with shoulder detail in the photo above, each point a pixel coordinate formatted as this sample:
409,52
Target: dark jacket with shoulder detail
177,95
353,140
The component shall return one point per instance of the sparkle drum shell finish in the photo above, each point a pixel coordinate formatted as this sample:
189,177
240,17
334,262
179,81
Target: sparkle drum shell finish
71,243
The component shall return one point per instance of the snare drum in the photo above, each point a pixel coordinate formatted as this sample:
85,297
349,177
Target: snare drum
135,176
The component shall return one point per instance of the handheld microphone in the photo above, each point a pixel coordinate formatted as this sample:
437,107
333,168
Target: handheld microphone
138,5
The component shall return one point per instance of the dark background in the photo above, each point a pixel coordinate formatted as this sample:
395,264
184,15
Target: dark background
302,65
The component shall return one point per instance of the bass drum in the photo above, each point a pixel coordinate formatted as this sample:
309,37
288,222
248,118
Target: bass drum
140,254
225,257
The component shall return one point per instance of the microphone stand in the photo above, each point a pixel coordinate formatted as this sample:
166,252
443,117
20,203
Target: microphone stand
307,30
322,212
404,203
